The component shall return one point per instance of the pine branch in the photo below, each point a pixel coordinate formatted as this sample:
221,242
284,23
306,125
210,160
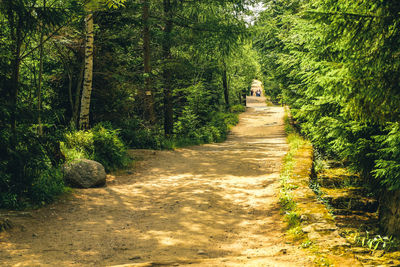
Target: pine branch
345,14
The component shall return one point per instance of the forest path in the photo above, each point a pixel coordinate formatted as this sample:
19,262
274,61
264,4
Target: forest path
209,205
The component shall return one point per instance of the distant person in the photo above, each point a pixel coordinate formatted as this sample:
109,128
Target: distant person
258,93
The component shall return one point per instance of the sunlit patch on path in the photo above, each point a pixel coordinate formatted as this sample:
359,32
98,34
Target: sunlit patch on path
210,205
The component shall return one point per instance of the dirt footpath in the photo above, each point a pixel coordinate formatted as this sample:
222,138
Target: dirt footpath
210,205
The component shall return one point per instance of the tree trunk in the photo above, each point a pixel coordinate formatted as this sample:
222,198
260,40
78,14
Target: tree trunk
88,76
75,110
16,36
147,94
225,85
71,101
39,93
168,104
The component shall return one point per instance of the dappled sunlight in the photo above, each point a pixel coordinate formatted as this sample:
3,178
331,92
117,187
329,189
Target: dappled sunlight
208,201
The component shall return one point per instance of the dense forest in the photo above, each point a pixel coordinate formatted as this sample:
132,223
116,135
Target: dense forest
89,79
93,78
336,64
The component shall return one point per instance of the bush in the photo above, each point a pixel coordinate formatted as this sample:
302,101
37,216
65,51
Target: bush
109,150
188,129
238,109
30,173
99,144
47,185
387,164
78,145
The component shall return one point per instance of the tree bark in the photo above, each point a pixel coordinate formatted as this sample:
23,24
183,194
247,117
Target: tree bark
39,93
15,21
75,110
168,104
147,94
88,76
225,85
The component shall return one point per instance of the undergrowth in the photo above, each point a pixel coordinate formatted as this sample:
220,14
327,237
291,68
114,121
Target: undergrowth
289,207
376,242
102,144
189,129
292,215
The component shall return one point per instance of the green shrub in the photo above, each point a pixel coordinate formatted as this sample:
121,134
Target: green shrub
82,141
187,124
78,145
136,135
387,164
47,185
109,150
189,129
238,109
99,144
224,121
30,173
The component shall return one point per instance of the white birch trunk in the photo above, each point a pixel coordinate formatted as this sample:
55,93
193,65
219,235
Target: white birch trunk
88,74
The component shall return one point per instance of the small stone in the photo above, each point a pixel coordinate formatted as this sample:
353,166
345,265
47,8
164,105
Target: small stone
135,258
303,218
34,235
201,252
308,229
283,251
378,253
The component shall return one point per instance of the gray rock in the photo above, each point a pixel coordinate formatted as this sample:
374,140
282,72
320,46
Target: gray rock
84,173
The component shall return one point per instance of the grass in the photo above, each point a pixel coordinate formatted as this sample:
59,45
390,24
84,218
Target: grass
288,205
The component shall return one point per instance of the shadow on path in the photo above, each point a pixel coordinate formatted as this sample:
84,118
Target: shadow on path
216,203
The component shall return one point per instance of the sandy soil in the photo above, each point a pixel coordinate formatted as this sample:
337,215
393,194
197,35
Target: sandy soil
210,205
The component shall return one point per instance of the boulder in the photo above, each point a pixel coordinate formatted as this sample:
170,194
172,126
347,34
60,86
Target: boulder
84,173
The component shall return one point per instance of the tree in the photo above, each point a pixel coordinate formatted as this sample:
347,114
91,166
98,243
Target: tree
147,93
89,50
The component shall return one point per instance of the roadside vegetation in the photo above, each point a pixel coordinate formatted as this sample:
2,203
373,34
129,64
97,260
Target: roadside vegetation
335,63
294,214
289,206
91,79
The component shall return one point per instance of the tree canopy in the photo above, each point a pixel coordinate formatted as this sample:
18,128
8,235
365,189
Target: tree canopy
336,64
148,73
165,73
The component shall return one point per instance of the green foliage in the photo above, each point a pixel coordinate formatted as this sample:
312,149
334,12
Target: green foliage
188,128
387,167
387,243
238,109
205,38
333,62
288,205
48,185
78,145
136,135
30,174
109,150
99,144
